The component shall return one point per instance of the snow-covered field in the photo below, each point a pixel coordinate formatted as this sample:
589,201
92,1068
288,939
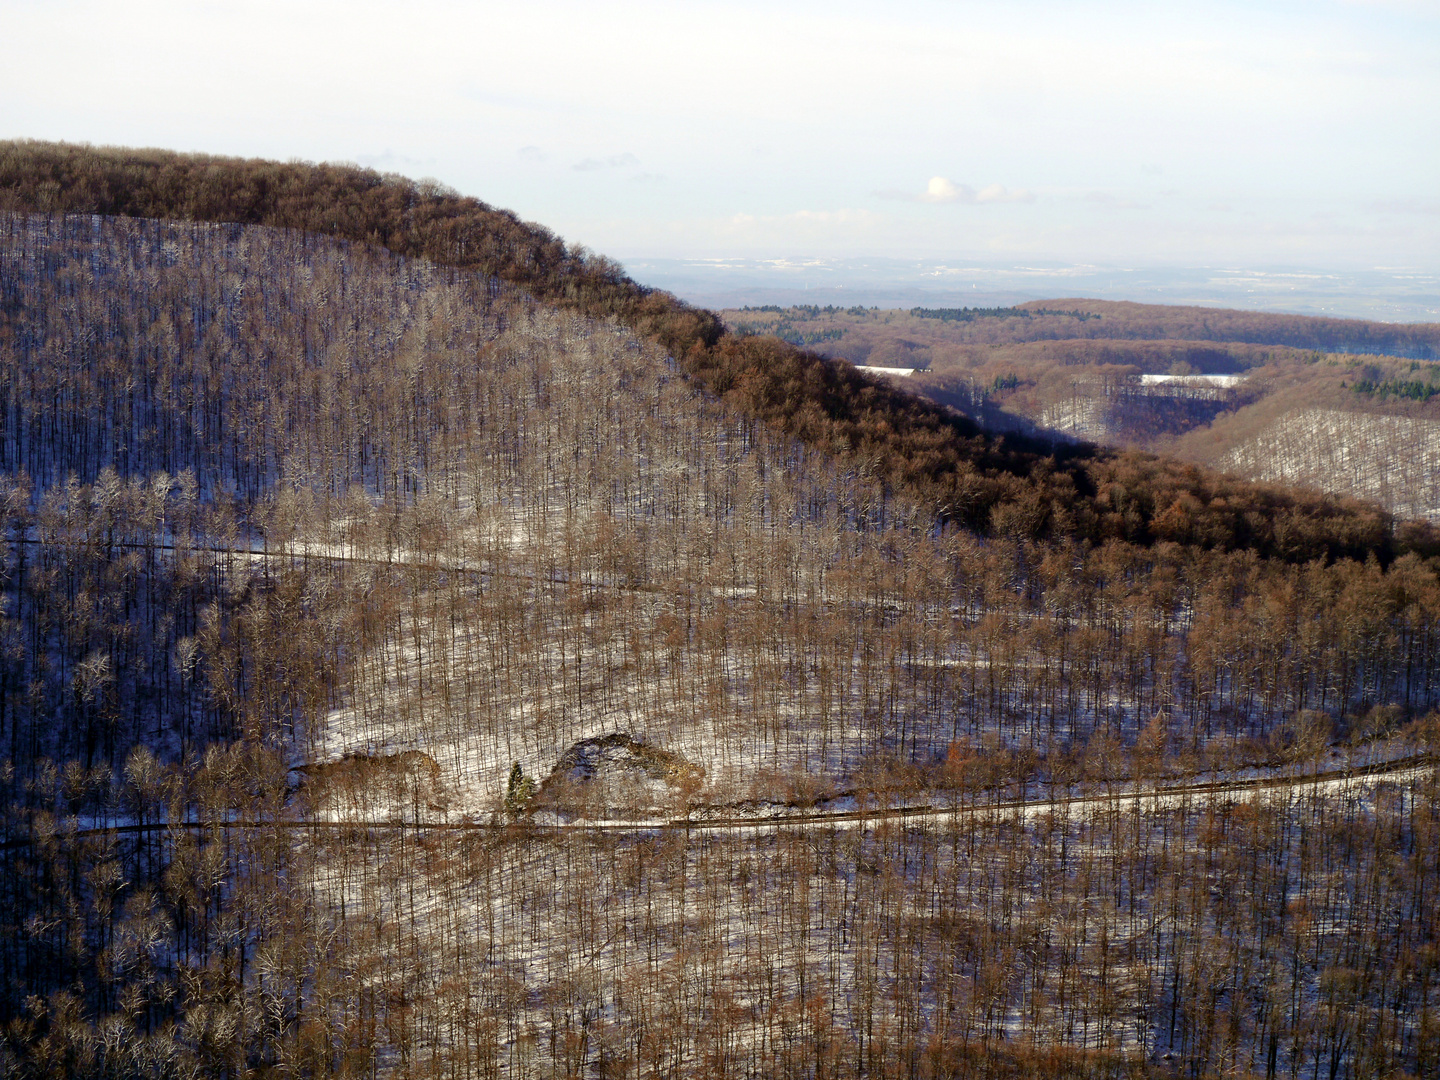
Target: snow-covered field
1225,382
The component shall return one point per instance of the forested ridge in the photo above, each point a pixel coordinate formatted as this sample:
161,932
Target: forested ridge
1229,390
994,484
390,663
1126,320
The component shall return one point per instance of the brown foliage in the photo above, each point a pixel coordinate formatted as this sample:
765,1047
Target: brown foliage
987,483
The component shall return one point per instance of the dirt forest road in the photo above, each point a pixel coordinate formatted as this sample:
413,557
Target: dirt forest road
1122,797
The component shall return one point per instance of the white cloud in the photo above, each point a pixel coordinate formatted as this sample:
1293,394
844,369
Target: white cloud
941,189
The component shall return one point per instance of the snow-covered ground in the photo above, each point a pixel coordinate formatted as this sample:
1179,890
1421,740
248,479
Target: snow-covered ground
734,920
1224,381
1392,459
1082,417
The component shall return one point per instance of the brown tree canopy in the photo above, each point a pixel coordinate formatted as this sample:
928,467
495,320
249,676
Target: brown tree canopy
992,484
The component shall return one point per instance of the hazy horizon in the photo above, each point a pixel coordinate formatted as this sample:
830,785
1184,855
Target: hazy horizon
1381,295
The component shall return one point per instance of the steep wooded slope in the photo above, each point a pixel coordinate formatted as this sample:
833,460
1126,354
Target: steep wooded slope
307,544
989,484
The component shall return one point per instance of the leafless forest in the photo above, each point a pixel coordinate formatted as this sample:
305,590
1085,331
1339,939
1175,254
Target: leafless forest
319,560
1336,405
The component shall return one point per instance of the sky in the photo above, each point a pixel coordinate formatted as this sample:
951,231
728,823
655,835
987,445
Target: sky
1264,133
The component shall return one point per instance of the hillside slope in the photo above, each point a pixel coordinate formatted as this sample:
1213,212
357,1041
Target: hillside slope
388,657
985,483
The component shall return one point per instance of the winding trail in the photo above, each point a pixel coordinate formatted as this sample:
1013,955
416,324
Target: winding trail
697,821
758,823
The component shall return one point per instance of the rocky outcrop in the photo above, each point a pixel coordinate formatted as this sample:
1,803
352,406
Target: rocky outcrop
619,772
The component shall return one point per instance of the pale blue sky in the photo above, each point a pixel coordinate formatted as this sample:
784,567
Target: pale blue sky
1297,133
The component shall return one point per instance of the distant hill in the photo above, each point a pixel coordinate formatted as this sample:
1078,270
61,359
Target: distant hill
1147,322
1076,370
